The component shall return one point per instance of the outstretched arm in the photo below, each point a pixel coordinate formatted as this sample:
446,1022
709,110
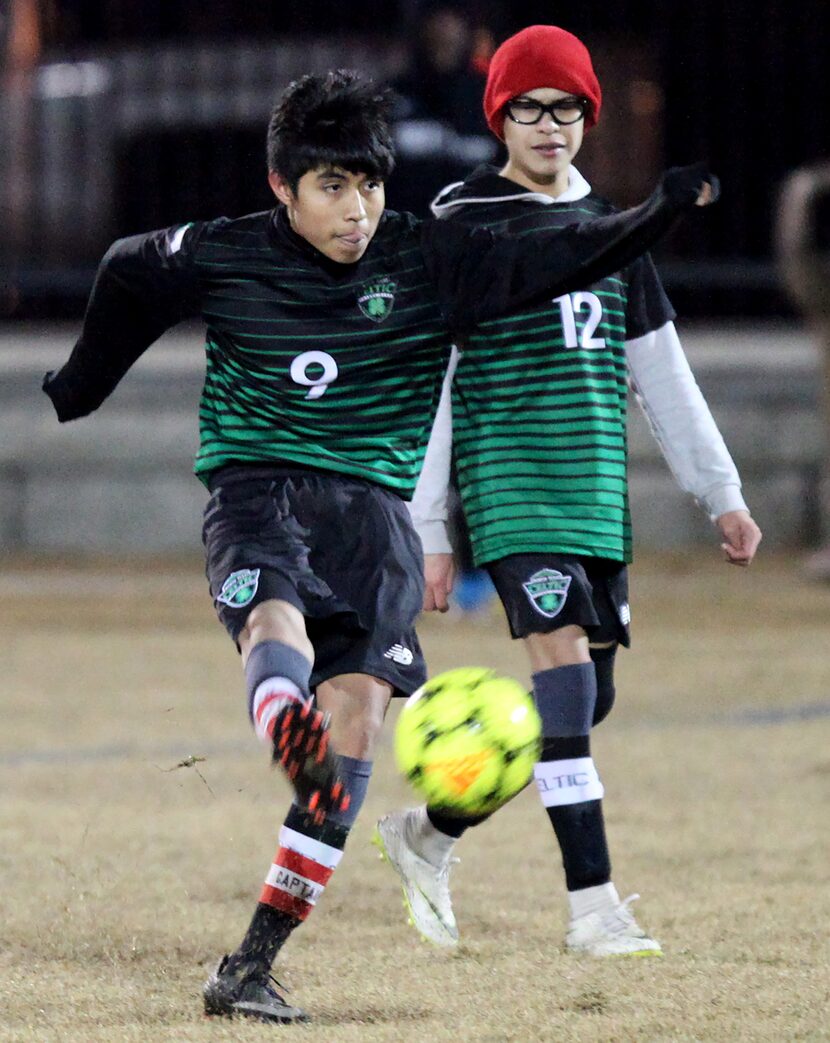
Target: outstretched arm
480,275
144,285
685,430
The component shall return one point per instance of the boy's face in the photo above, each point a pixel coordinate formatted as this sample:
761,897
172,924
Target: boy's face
540,153
336,211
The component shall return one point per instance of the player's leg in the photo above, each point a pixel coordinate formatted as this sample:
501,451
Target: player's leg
536,597
565,690
277,657
419,842
361,593
573,688
309,849
257,562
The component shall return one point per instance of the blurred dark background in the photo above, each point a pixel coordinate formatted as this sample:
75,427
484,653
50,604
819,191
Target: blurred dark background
117,116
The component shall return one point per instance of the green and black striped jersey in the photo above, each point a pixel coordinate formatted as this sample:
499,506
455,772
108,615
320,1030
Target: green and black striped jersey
331,366
328,366
539,396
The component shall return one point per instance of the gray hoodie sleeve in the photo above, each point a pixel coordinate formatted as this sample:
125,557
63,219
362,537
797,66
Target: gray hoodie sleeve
681,421
429,505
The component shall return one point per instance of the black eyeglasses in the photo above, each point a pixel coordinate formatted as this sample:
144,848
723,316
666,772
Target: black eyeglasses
562,112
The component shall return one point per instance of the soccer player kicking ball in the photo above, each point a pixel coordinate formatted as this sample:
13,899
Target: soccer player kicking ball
539,415
328,322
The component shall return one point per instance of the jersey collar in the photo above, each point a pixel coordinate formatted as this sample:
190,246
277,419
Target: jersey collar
487,185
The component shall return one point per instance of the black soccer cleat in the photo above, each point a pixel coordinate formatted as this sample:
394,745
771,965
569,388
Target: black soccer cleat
301,747
248,994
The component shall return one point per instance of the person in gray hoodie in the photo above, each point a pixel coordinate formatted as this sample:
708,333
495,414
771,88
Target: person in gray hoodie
537,421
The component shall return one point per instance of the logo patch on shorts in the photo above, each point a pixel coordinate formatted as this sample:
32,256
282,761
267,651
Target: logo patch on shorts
377,299
625,613
399,654
547,590
239,588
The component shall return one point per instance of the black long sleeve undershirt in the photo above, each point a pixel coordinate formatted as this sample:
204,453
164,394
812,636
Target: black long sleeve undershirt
149,283
481,275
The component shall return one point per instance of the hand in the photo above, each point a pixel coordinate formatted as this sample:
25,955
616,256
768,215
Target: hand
706,195
439,575
741,537
694,185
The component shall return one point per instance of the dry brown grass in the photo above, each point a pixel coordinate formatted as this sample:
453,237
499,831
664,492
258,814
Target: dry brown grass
123,881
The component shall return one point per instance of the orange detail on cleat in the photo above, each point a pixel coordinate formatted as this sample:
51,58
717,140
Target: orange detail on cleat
303,750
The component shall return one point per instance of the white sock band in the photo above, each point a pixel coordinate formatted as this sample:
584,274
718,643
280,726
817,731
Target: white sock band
567,781
269,698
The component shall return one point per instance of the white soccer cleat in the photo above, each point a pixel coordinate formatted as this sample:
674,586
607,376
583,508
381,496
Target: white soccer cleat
426,887
614,933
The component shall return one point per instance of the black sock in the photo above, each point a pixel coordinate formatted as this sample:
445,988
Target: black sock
579,828
266,935
453,826
270,926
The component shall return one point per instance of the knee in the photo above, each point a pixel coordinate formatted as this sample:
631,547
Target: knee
276,621
603,659
357,713
363,729
567,646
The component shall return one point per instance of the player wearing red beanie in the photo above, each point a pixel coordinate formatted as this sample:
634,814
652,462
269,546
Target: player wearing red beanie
538,421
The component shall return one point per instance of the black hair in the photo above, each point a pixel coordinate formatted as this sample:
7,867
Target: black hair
338,119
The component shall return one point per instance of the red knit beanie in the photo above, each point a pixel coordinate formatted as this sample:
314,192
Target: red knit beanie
540,56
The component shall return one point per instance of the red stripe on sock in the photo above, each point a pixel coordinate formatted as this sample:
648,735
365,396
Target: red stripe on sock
303,866
270,698
286,903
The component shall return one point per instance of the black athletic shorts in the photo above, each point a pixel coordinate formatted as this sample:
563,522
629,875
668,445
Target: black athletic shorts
544,592
342,550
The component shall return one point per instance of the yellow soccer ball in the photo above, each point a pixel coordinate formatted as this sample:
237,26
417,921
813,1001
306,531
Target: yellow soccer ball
468,739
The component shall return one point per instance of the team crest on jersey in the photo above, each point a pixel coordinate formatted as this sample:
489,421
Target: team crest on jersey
547,590
239,588
377,299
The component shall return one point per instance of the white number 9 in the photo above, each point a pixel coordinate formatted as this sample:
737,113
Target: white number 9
318,383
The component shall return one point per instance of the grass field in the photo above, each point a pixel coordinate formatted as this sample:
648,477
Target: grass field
125,877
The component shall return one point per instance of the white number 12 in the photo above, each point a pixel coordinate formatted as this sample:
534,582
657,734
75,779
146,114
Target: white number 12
569,305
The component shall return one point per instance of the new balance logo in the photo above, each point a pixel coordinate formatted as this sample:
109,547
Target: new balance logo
399,654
